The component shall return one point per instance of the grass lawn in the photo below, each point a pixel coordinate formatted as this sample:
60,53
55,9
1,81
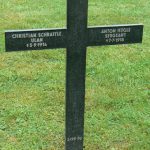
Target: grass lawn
32,84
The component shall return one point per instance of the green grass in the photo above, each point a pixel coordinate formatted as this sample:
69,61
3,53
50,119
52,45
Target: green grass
32,84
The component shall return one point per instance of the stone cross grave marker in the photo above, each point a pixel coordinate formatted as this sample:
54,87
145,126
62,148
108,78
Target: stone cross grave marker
75,38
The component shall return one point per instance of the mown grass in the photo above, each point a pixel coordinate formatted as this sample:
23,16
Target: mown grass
32,84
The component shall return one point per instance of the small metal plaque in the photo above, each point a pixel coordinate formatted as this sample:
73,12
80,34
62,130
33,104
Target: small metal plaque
114,35
35,39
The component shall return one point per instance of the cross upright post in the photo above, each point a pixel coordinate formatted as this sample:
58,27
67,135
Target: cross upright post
75,39
75,73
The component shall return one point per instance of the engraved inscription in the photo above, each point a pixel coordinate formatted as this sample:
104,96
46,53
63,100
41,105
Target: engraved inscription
36,40
36,35
115,35
73,139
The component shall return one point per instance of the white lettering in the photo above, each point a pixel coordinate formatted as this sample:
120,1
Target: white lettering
24,35
50,34
36,40
72,139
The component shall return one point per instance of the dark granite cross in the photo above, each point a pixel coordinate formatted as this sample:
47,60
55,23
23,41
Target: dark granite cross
75,38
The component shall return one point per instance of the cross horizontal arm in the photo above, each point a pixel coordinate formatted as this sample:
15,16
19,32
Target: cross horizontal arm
114,35
35,39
